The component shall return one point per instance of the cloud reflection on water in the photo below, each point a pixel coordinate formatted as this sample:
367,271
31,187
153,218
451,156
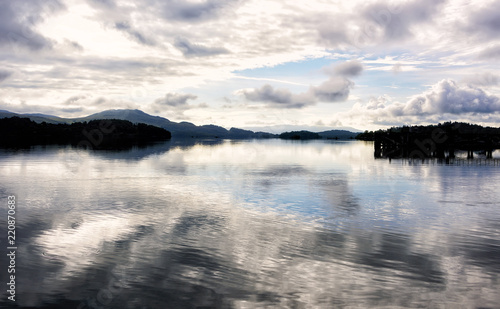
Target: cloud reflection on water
203,225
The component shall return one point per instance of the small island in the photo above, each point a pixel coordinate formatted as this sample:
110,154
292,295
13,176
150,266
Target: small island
95,134
299,135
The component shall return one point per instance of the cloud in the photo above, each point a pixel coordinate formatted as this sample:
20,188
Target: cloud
18,21
485,22
396,22
396,68
484,79
134,34
278,97
335,89
121,18
74,99
347,69
375,23
103,3
176,99
4,75
444,100
196,50
189,11
319,123
74,46
71,110
176,104
490,53
449,97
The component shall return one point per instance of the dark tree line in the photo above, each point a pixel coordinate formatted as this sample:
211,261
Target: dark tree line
95,134
453,128
299,135
439,140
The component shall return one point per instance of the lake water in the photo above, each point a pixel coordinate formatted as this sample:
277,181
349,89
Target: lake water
249,224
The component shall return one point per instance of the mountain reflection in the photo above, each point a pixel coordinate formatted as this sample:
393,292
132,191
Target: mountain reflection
204,226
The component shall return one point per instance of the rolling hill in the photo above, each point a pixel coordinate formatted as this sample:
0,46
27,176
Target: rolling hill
178,129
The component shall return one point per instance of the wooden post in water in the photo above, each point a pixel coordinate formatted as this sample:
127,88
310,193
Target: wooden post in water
489,154
378,148
470,154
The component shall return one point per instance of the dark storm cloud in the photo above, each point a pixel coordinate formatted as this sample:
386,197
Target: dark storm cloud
175,99
196,50
18,20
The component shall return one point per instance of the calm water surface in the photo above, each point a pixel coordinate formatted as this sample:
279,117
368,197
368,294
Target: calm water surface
249,224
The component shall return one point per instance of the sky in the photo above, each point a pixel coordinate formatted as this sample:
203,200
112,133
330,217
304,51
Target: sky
314,64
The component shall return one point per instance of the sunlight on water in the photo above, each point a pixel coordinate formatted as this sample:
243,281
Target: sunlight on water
250,224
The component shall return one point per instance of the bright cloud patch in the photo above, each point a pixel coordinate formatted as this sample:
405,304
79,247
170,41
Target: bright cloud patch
449,97
444,98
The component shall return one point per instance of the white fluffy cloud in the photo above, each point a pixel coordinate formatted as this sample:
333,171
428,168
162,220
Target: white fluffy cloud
446,99
449,97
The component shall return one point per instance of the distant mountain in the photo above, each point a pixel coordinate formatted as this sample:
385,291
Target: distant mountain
178,129
338,134
277,129
6,114
132,115
38,118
